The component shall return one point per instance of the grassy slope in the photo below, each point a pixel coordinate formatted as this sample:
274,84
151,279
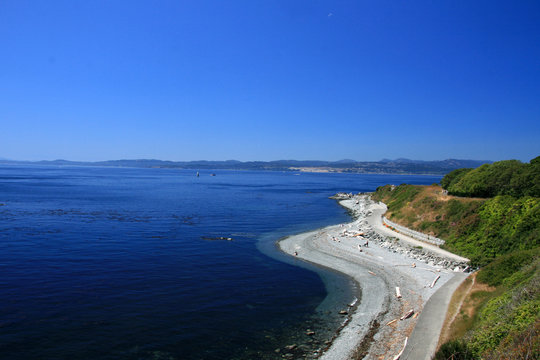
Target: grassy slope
480,229
497,321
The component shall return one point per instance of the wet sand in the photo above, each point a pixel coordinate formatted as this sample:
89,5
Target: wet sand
389,261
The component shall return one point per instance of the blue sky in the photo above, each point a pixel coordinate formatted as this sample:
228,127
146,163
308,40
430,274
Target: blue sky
269,80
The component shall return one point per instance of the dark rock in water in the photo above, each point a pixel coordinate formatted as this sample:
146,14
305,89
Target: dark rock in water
341,196
216,238
343,312
291,347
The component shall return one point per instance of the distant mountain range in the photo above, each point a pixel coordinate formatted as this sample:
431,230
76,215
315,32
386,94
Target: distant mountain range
385,166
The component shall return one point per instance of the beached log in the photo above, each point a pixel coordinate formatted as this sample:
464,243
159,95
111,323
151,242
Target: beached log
402,350
391,322
407,315
372,273
398,293
434,281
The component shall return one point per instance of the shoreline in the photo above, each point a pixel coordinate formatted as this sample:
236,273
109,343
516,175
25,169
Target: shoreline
371,330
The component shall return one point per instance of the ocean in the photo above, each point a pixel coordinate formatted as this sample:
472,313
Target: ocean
126,263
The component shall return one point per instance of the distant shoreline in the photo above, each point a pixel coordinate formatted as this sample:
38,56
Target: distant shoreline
378,269
385,167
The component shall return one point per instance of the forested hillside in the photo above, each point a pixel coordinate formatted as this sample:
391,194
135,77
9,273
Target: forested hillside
491,215
510,177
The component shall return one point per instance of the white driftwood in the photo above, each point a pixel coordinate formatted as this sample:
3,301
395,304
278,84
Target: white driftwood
398,293
402,350
407,315
434,281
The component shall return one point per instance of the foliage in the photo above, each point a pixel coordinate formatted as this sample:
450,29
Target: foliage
523,345
504,224
507,326
507,266
456,350
510,315
453,177
508,177
399,195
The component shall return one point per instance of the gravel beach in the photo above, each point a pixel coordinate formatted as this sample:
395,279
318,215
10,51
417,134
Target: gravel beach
396,275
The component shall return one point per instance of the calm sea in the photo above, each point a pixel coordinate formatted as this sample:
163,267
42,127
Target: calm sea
119,263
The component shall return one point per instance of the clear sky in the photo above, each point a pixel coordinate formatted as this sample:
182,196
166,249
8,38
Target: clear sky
269,79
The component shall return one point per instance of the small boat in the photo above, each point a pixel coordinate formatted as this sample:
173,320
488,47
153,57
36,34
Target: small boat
212,174
197,174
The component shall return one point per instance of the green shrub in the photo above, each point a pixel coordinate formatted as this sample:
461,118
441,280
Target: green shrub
453,177
456,350
508,177
510,315
506,265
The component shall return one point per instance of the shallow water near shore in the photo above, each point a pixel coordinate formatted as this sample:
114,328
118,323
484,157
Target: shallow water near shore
117,263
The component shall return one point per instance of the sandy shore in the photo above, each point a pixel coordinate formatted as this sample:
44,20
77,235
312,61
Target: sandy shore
388,262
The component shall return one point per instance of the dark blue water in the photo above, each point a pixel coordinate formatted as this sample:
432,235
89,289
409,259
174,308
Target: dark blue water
113,263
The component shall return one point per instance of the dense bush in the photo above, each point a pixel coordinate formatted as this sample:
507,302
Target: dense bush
504,224
453,177
509,177
514,312
456,350
507,265
507,325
